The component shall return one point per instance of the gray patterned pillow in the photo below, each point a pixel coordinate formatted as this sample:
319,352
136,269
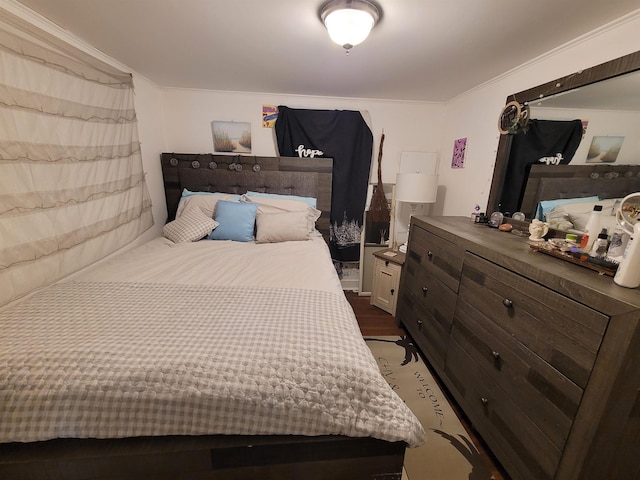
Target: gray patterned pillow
192,225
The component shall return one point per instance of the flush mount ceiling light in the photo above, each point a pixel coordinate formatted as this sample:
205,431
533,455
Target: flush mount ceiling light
349,21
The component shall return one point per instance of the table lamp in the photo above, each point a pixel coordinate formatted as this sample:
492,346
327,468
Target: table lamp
415,188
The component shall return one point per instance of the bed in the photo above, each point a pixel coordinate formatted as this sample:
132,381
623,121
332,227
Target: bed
205,359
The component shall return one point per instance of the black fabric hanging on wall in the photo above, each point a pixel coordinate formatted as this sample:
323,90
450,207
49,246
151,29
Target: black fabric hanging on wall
553,142
344,136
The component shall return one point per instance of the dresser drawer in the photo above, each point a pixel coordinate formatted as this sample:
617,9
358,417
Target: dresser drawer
514,438
439,258
566,334
427,327
430,293
543,394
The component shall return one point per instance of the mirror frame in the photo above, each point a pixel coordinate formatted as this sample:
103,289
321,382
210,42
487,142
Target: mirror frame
611,69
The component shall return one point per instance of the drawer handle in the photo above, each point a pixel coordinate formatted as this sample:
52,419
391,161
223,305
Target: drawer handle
495,355
484,401
420,322
507,303
424,291
429,254
393,290
386,263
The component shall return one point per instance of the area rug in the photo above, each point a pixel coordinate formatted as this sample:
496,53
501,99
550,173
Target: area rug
448,453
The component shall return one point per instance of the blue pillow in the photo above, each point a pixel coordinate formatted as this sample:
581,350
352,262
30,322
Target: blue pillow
546,206
308,200
236,219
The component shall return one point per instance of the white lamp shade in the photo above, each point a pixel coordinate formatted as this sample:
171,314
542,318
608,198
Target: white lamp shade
349,26
416,188
349,21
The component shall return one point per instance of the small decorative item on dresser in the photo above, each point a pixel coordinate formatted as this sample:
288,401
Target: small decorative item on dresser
496,219
481,218
538,229
599,247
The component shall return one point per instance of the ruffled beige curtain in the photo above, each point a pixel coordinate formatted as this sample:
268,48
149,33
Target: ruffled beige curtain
72,187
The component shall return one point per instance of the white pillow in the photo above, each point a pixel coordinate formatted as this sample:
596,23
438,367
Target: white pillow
310,200
285,226
578,214
546,206
587,207
580,220
559,219
279,205
206,202
192,225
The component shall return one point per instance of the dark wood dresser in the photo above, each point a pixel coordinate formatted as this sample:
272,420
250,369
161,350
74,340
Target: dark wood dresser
542,355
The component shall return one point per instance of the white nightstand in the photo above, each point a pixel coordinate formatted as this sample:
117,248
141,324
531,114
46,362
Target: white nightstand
386,279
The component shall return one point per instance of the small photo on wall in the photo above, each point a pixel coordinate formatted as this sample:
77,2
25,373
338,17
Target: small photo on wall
604,149
231,136
459,148
269,116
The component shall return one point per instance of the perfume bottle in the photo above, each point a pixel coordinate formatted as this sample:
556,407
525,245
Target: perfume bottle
599,247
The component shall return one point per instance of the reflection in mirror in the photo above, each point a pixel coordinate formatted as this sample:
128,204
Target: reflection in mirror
606,100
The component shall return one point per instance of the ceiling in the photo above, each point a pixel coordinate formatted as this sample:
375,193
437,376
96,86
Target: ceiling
421,50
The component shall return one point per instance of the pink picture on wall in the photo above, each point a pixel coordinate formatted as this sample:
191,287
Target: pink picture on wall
459,148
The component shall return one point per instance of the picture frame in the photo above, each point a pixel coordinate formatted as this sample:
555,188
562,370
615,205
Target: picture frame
604,149
231,137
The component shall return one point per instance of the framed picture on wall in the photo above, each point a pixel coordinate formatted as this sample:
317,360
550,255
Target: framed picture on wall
459,150
269,116
231,136
604,149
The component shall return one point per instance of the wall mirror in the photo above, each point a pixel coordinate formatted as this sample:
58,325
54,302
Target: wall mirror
612,87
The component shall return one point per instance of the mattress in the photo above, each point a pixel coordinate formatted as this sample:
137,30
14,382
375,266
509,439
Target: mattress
199,338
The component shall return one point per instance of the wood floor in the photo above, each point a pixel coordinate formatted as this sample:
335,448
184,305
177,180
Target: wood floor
376,322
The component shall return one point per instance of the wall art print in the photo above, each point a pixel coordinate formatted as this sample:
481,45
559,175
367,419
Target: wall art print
231,136
459,148
269,116
604,149
585,125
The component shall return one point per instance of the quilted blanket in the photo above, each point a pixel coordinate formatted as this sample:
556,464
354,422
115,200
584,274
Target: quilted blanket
104,360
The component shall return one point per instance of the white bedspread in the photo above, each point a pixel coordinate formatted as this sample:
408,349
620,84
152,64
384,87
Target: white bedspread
288,265
129,350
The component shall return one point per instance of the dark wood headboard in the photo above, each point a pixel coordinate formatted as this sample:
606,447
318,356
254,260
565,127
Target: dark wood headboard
207,172
551,182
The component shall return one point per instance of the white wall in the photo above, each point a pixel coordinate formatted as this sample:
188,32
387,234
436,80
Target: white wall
148,102
408,126
474,115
